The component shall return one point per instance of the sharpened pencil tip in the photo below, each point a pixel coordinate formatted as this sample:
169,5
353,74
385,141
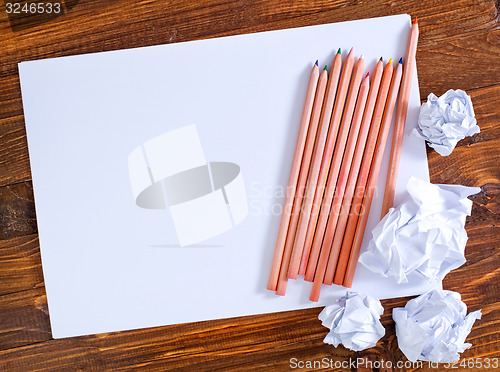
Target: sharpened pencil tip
326,68
381,59
390,61
316,63
401,60
368,74
361,56
415,21
339,51
351,50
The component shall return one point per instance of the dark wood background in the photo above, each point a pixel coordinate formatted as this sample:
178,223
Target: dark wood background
459,48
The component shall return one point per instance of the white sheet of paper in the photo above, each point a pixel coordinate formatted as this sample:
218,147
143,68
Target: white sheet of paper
110,265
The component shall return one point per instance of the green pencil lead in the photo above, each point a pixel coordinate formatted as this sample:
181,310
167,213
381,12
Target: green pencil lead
326,68
339,51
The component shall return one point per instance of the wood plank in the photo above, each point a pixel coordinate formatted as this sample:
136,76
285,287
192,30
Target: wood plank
17,211
20,264
447,64
53,39
122,24
476,168
474,162
87,27
14,158
216,345
266,341
24,319
172,344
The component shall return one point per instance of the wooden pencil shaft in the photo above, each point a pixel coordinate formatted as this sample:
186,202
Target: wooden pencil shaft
326,161
311,137
399,126
333,176
352,217
296,251
372,180
353,174
292,180
342,178
319,149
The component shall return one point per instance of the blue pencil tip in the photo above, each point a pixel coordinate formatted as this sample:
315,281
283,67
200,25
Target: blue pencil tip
401,60
316,63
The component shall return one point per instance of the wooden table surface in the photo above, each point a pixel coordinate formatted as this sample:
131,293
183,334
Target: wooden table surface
459,47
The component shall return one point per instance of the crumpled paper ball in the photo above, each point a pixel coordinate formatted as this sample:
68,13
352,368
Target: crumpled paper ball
425,235
445,120
354,321
433,327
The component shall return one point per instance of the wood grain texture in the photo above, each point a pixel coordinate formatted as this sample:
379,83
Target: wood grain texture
20,264
446,64
25,319
95,26
238,344
111,25
459,48
474,162
17,210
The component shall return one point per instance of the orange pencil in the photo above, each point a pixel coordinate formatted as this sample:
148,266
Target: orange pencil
399,126
296,251
372,179
335,167
293,178
353,217
304,170
332,178
325,163
335,161
299,251
342,178
367,138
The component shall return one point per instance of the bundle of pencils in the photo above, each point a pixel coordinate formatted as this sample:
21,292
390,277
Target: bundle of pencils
342,136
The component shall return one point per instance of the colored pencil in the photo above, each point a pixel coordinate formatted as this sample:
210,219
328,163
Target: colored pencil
326,161
372,179
353,217
333,175
312,180
367,138
296,250
342,178
399,126
293,178
306,160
